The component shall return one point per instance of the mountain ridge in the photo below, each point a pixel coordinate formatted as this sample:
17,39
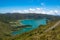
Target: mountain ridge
18,16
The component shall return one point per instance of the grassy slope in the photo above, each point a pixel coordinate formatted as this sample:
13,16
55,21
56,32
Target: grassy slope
32,35
5,28
35,34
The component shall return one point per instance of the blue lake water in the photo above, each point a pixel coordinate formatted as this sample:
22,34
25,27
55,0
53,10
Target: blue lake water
35,24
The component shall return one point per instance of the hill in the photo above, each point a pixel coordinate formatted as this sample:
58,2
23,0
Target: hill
17,16
6,28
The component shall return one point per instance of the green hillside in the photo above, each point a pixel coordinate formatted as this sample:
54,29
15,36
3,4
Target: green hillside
6,28
53,34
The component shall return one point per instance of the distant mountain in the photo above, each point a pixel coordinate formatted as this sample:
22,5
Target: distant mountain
17,16
6,28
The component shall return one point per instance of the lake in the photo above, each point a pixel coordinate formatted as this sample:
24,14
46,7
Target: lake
34,22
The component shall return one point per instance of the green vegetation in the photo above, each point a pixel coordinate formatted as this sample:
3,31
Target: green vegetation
53,34
6,28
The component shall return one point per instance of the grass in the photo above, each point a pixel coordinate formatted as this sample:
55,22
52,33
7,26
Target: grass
53,34
35,34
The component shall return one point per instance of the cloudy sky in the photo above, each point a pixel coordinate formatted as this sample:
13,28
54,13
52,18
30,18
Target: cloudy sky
30,6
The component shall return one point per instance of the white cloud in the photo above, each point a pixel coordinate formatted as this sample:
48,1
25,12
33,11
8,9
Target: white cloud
56,11
38,8
51,12
31,10
14,11
26,11
38,11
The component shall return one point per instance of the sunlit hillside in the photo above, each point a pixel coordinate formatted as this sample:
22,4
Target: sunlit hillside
10,23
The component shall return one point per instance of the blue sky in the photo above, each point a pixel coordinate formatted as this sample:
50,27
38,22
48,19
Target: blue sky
26,4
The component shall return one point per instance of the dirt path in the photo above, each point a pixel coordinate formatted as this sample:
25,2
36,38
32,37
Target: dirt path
50,28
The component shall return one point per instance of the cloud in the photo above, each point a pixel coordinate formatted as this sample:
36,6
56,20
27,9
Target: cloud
37,10
53,12
26,11
15,11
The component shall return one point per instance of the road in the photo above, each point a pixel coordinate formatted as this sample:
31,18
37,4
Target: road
52,26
